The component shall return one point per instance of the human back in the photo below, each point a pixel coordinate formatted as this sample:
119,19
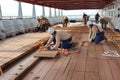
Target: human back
63,35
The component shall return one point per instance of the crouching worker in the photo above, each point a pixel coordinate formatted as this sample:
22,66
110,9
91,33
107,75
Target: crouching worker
96,34
61,39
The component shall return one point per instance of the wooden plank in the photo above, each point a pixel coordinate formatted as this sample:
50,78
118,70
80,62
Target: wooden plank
41,75
31,75
67,28
78,76
18,47
18,54
42,64
5,59
115,68
83,51
99,51
63,71
10,47
104,70
81,61
51,75
91,76
118,50
20,68
71,67
91,50
50,54
80,64
53,72
92,65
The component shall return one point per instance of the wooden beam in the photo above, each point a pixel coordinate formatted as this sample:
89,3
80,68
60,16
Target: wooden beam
48,54
68,4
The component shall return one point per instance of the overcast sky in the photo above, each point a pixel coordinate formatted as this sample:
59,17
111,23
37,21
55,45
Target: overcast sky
10,8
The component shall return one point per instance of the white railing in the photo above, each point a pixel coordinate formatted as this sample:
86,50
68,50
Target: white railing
14,17
79,17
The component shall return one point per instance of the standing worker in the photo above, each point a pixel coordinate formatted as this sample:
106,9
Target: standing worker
59,37
65,21
97,17
85,18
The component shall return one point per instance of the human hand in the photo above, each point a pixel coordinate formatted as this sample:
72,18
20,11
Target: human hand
89,40
45,46
51,48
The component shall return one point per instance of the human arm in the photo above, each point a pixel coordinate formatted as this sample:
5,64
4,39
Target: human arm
57,42
94,30
90,33
93,34
49,41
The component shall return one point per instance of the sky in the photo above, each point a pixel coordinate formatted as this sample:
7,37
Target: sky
10,8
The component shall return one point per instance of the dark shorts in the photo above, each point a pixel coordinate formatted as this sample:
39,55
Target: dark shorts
99,37
67,44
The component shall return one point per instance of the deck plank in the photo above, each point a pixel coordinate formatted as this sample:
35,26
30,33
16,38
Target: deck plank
91,76
104,70
115,68
49,54
17,70
31,75
54,70
41,75
78,76
99,52
71,68
63,71
92,65
91,50
81,61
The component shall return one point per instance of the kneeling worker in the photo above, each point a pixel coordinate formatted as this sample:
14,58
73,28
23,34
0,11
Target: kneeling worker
58,37
96,33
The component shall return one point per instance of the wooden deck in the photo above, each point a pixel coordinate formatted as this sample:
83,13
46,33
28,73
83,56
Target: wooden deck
88,64
18,46
83,63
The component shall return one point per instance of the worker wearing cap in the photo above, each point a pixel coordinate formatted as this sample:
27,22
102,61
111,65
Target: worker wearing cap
96,33
59,37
